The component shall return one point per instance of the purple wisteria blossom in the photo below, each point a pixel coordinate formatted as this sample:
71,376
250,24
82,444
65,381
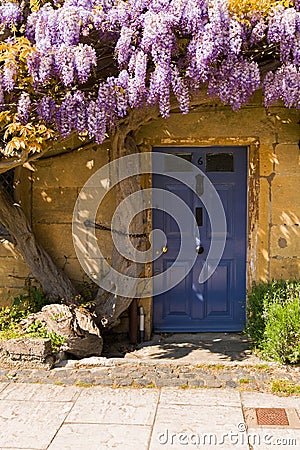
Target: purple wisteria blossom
46,109
284,84
2,96
120,85
84,59
113,55
9,74
24,105
240,80
10,14
258,31
79,112
284,29
180,90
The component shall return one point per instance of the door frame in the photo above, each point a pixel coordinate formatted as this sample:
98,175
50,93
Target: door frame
253,189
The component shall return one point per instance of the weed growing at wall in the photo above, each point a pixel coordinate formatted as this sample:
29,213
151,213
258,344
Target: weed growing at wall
11,316
30,302
273,320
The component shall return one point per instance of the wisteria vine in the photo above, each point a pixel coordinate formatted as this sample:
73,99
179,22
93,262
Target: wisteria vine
93,60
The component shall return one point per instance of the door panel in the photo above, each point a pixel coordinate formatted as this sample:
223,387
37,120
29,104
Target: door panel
219,303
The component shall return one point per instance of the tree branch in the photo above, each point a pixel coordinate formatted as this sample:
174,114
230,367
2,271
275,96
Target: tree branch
54,281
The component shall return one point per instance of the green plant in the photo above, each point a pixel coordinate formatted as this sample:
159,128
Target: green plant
30,302
274,320
282,332
88,292
36,329
83,384
57,340
283,386
11,316
244,380
255,311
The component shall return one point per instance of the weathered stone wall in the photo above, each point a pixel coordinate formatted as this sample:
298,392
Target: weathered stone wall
56,184
272,135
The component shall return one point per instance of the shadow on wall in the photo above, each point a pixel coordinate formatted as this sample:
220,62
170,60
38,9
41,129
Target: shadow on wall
279,247
285,246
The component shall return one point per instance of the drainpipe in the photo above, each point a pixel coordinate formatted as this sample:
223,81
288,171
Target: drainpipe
133,321
142,324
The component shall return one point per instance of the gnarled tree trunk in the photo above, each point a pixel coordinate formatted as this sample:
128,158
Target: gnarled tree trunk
54,281
108,305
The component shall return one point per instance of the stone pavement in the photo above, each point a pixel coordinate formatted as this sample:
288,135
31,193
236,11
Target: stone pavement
179,391
37,416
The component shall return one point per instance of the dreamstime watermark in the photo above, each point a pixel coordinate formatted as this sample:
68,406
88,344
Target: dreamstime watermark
105,179
230,438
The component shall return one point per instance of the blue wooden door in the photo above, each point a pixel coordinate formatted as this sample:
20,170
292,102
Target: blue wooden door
219,303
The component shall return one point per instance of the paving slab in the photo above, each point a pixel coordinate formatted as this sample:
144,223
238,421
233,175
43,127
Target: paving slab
101,436
206,417
207,426
261,399
30,424
129,406
270,438
263,437
40,392
208,338
199,397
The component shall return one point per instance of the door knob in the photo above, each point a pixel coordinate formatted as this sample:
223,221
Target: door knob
164,249
199,249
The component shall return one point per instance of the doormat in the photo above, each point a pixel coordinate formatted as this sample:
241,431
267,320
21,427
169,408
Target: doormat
272,417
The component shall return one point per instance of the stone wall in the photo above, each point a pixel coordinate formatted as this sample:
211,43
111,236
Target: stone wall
56,184
272,135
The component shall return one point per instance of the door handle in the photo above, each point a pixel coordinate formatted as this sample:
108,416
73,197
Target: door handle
163,250
199,249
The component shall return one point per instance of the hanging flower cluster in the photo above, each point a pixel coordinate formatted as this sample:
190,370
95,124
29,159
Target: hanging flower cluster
10,14
92,60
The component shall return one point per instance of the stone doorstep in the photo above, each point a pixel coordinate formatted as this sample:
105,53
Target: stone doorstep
100,361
